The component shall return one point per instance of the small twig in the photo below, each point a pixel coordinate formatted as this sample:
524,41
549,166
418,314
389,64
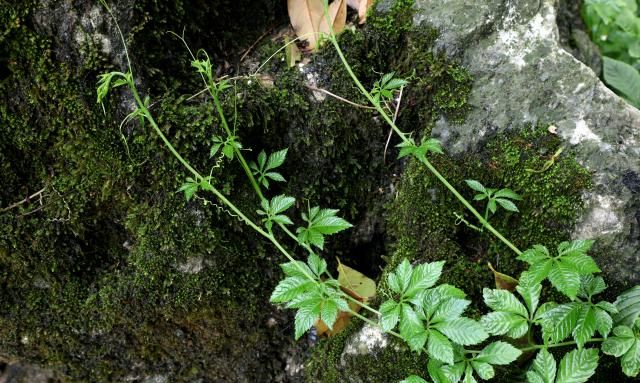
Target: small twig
395,116
27,199
197,94
248,50
338,97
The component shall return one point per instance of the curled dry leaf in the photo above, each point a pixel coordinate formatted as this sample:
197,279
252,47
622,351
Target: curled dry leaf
308,19
503,281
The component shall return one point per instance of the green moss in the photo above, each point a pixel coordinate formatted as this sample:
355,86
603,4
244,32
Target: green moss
551,202
396,20
98,280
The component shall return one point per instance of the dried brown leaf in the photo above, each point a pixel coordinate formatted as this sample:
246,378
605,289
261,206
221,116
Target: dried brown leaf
363,8
305,16
503,281
338,16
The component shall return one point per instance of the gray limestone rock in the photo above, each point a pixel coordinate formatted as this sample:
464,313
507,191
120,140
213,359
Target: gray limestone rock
524,76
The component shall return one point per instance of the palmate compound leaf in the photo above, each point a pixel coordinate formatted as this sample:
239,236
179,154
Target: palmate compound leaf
576,366
563,271
578,319
321,222
409,147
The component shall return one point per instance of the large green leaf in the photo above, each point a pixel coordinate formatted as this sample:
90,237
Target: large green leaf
559,322
577,366
504,323
424,276
543,369
586,326
390,311
503,300
463,331
628,305
624,78
500,353
440,347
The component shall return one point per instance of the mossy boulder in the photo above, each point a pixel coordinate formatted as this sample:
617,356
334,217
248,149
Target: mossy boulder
523,74
529,99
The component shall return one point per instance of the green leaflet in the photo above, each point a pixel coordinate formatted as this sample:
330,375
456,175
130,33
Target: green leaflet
564,270
304,289
576,366
543,368
463,331
263,169
628,305
408,281
579,319
495,197
410,147
500,353
625,343
272,209
510,317
440,347
624,78
320,222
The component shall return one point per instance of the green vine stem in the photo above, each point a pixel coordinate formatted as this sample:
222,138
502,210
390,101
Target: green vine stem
563,344
403,136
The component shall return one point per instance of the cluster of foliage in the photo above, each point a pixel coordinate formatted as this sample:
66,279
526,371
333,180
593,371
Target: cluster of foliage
615,27
428,316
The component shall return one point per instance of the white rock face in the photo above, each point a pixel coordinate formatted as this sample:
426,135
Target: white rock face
365,341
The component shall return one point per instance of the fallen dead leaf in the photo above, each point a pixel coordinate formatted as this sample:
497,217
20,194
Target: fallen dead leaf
338,16
305,16
363,8
359,287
